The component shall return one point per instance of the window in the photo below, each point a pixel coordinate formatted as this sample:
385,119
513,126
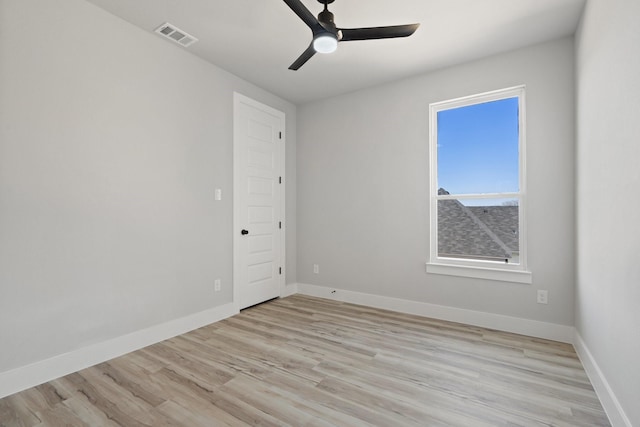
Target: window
478,186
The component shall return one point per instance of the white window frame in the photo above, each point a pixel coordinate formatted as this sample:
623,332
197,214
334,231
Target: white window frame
482,269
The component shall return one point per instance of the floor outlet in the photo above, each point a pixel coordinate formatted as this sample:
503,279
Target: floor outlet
543,297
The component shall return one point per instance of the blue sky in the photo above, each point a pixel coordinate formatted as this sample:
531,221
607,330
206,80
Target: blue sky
478,148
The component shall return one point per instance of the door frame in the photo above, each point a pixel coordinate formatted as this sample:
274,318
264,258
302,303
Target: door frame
238,99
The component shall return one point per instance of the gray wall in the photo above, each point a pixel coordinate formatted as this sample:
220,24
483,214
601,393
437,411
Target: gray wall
112,141
363,186
608,179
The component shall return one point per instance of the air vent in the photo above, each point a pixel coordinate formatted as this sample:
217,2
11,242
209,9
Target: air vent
175,34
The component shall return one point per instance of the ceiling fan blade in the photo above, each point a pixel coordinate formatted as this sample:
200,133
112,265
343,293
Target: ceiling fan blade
306,55
304,14
350,34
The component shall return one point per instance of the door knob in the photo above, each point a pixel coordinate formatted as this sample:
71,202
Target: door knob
244,232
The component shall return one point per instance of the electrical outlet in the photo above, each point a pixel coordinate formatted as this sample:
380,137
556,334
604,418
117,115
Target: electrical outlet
543,297
316,269
217,285
218,194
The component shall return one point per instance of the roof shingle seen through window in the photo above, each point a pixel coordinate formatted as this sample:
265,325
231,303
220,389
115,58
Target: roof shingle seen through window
482,232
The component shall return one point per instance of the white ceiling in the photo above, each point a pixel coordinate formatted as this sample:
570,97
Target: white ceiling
258,39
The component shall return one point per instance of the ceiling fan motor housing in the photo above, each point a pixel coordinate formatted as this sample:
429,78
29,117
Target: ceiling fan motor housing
325,18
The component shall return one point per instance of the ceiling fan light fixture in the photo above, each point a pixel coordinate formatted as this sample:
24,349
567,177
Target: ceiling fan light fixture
325,43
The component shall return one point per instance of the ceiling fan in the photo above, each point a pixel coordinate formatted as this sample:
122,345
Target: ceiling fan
326,35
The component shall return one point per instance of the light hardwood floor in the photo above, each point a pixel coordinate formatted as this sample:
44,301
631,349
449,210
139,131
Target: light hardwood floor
305,361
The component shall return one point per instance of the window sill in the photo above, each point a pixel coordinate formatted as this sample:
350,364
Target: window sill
513,276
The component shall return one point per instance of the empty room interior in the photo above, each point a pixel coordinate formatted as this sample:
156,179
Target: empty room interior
319,213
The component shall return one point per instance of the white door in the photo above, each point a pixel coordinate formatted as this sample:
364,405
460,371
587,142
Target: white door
258,202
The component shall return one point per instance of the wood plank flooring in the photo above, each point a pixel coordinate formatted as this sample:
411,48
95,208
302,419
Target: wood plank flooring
305,361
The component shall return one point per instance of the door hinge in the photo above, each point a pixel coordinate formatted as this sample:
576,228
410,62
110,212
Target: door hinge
280,135
280,270
279,180
280,225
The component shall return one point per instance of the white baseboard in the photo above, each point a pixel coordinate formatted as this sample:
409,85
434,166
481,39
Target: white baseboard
290,289
532,328
58,366
610,403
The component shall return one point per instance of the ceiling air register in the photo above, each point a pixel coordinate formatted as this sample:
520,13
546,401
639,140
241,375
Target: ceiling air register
176,35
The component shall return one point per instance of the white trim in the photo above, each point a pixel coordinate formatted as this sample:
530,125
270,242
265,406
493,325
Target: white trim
486,271
46,370
237,99
503,275
290,289
493,95
532,328
608,399
283,205
479,196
